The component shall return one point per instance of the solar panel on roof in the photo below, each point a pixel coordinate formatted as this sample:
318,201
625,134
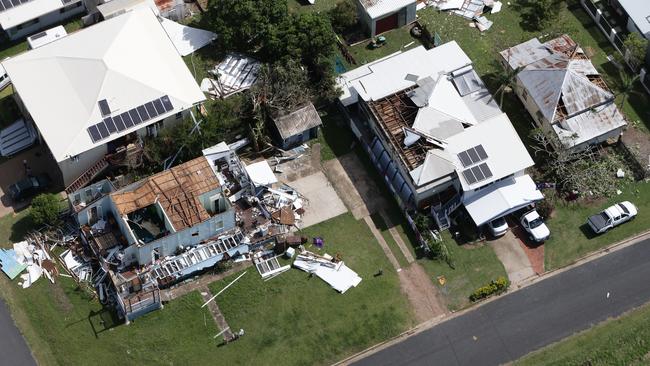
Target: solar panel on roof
110,125
477,173
485,170
167,103
126,118
119,124
94,133
103,107
151,110
135,117
469,177
481,152
464,158
103,131
159,106
142,111
473,155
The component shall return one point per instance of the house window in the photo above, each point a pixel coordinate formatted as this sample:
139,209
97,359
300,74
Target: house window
28,24
179,115
524,95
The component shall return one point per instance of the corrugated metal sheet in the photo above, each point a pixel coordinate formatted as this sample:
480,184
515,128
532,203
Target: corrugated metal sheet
544,86
590,124
525,53
578,93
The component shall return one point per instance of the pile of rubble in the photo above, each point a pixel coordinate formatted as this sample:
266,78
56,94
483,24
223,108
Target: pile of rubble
473,10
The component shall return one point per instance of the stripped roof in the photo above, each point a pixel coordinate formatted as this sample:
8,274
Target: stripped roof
177,190
566,87
298,121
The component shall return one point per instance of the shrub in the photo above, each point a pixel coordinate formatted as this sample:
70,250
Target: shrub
498,286
45,209
545,207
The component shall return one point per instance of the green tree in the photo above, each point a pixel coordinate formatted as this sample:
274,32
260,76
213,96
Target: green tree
45,209
627,87
507,81
243,25
637,47
343,16
540,13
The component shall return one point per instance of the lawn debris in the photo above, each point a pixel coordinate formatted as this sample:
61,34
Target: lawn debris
327,268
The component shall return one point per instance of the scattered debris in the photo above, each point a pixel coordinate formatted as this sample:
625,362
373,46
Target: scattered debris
335,273
268,265
234,74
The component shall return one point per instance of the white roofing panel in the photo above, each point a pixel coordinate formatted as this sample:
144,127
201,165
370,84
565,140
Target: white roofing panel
525,53
506,153
117,7
187,39
639,11
502,198
388,75
127,60
28,11
261,173
379,8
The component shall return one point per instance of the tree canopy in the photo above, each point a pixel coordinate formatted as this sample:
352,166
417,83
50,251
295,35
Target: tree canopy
343,15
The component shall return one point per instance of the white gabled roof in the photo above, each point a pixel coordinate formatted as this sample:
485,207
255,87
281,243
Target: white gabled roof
378,8
27,11
639,11
128,60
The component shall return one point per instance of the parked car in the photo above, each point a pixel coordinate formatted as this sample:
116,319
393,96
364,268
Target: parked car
535,227
612,216
498,227
29,187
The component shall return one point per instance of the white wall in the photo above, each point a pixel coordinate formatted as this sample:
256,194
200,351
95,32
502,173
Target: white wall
44,21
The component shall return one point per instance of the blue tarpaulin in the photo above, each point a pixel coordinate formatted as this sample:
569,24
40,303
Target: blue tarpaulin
9,265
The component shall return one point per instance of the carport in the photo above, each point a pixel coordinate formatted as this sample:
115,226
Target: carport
501,198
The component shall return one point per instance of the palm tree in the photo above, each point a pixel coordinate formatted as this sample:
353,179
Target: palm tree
507,80
627,87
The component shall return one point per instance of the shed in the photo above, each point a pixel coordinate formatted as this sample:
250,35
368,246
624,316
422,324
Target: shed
379,16
296,127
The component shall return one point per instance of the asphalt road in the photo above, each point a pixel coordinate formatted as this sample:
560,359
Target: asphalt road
526,320
13,349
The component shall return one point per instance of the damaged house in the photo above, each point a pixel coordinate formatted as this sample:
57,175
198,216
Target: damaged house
564,93
136,228
436,135
156,232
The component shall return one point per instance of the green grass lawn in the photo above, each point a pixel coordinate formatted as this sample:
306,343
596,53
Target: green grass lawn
291,319
302,6
396,40
474,266
571,238
335,136
296,320
621,341
381,224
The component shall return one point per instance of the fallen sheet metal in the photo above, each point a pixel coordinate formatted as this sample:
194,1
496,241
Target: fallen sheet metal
337,275
10,265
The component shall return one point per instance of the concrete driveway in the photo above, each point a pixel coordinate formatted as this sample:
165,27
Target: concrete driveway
324,203
510,252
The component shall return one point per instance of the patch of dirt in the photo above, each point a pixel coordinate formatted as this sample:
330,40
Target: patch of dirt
424,297
60,298
535,256
637,143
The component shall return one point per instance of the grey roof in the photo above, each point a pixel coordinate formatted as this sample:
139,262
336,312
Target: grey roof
298,121
564,77
525,53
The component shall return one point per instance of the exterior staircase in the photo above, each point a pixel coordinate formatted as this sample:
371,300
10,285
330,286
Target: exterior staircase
441,212
174,267
87,176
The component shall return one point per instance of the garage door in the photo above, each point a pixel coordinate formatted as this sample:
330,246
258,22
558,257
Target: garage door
386,24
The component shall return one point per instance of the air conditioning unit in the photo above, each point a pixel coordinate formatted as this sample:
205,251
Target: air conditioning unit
41,39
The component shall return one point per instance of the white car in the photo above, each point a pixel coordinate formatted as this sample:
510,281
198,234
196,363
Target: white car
498,227
535,226
612,216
